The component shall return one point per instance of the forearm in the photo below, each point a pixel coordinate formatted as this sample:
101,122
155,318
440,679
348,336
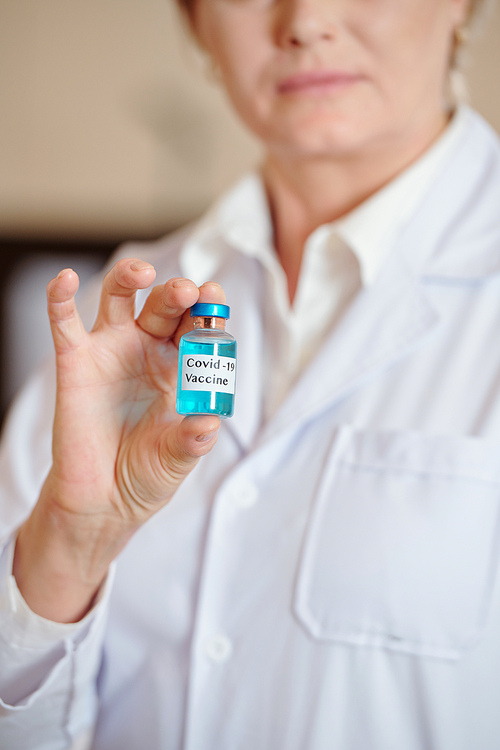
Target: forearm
61,559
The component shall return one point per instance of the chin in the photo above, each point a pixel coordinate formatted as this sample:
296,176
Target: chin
329,127
320,137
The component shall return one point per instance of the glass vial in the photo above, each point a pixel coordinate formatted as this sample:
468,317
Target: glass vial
207,364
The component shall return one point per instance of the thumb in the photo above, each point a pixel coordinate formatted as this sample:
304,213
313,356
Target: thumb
181,448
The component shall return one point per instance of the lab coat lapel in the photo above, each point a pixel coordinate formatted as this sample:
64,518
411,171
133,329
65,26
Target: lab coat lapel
384,323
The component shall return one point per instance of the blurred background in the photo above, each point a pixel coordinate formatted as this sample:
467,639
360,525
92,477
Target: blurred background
112,129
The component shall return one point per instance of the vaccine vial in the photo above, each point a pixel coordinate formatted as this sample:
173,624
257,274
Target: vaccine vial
207,364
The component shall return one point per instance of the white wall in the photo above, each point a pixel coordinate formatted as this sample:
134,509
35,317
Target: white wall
109,127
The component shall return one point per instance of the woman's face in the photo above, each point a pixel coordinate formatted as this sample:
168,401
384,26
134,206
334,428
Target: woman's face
331,77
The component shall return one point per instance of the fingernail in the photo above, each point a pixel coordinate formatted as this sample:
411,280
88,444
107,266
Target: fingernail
140,265
63,273
207,436
182,282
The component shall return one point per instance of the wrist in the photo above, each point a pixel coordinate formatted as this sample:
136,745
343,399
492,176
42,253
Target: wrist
61,559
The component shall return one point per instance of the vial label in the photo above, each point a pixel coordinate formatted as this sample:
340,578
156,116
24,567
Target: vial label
208,372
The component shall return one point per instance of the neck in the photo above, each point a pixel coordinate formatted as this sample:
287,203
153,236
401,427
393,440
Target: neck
306,192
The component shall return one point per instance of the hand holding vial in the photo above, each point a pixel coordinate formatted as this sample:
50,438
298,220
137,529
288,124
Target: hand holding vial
120,450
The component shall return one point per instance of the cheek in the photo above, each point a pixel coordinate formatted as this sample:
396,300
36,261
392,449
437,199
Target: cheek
245,59
238,43
408,41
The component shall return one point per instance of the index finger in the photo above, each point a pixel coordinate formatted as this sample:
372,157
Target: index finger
165,306
166,311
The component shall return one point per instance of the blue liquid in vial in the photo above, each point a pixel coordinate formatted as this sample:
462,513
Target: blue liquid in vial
197,343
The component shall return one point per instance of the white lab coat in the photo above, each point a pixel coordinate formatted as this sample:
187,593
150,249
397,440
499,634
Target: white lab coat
328,582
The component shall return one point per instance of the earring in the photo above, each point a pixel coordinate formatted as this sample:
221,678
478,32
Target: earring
459,39
460,35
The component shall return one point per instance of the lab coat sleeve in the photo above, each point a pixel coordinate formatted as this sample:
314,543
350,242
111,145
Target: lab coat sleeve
48,671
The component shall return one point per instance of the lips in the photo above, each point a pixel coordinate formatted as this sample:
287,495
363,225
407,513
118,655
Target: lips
317,82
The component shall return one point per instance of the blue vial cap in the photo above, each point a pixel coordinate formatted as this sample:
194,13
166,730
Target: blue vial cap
206,310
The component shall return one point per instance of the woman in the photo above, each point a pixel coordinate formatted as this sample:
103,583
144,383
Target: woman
325,577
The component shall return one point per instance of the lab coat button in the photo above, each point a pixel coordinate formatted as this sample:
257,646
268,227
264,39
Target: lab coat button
246,496
219,648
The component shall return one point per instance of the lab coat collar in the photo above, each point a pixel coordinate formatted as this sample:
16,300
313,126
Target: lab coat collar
371,228
455,233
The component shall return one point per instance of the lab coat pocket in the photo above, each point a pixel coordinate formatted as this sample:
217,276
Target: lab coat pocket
402,544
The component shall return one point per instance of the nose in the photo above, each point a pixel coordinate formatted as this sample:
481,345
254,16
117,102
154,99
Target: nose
303,23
